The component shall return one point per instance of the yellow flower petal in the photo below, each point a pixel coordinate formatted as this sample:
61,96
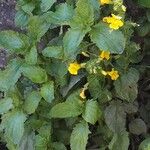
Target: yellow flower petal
105,55
82,94
73,68
105,2
113,74
104,73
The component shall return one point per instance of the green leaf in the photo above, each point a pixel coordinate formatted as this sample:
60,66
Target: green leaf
35,73
31,56
72,107
37,27
62,15
119,141
21,19
92,112
115,117
40,143
137,126
127,82
58,146
47,91
145,3
12,41
53,52
145,145
10,76
106,39
28,7
5,105
13,123
28,141
71,41
79,136
32,102
84,16
46,4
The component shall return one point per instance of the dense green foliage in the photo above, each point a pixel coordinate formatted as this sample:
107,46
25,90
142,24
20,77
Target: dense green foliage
42,107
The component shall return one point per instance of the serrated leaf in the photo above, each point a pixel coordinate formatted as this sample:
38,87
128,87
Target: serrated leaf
37,27
53,52
47,91
137,126
72,107
12,41
128,83
106,39
62,15
119,141
145,145
13,123
58,146
84,16
46,4
71,41
40,143
5,105
92,112
35,73
27,142
10,75
21,19
115,117
31,56
32,101
79,136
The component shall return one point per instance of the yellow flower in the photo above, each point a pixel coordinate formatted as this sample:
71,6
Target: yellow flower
73,68
82,94
113,21
113,74
105,2
105,55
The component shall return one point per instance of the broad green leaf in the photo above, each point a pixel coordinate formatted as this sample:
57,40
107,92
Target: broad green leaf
37,27
31,102
12,41
28,141
107,39
53,52
47,91
79,136
145,3
137,126
72,107
92,112
13,123
21,19
46,4
62,15
115,117
5,105
58,146
127,82
34,73
145,145
120,141
84,15
31,56
71,41
10,75
28,7
40,143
